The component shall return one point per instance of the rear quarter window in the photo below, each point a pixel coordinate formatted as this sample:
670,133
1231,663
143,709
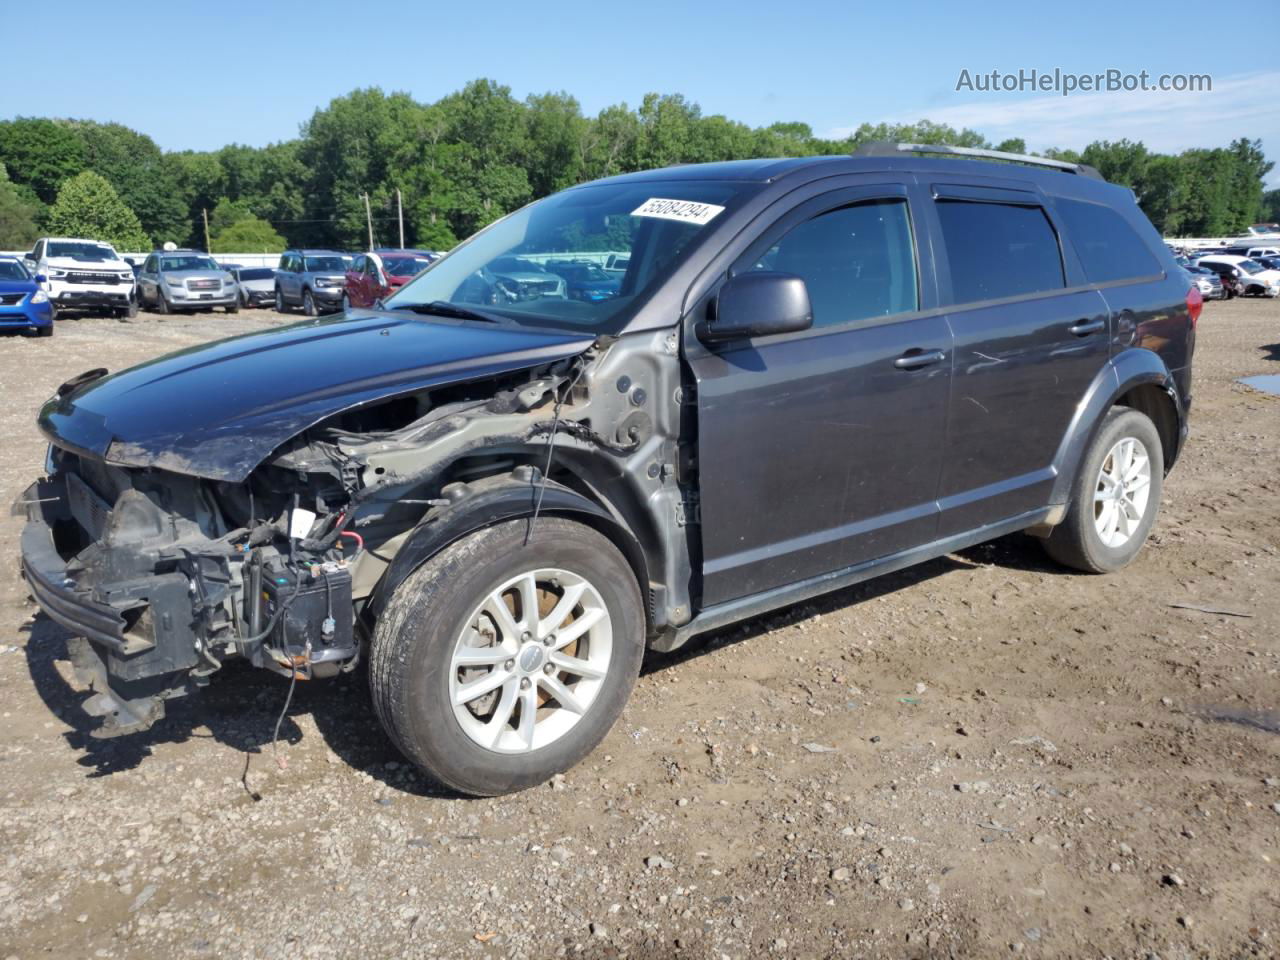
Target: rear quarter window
999,250
1108,247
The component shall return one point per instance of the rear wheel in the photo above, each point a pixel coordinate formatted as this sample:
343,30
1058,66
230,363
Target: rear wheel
1115,498
499,663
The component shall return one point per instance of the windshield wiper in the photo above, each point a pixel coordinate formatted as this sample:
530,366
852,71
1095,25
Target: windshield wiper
443,308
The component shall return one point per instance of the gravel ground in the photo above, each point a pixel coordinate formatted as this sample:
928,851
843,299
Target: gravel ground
982,756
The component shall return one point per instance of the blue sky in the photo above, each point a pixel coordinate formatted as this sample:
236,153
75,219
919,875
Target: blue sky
199,75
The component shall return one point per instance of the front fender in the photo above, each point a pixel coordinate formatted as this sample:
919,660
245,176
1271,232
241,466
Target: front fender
1126,370
485,503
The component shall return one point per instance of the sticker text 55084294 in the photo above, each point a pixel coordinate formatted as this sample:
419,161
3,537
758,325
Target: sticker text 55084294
686,211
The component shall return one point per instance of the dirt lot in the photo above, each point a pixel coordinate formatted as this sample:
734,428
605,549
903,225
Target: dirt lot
980,757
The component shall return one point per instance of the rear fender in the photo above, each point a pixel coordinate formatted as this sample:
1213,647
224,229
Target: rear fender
1126,370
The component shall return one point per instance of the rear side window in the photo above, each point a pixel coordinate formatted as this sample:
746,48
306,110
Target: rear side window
1108,247
999,250
857,261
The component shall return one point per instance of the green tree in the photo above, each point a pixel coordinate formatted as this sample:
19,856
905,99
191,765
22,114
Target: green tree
88,206
18,216
133,164
40,154
247,236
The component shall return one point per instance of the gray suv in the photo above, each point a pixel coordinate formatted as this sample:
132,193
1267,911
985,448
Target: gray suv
179,280
815,371
311,279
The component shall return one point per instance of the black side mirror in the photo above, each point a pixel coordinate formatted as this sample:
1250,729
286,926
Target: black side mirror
758,304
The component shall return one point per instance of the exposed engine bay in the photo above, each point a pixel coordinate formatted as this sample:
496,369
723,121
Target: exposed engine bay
165,576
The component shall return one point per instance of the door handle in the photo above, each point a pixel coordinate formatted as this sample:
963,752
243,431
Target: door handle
914,359
1086,327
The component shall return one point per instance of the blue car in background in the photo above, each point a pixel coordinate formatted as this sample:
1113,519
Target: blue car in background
22,303
585,280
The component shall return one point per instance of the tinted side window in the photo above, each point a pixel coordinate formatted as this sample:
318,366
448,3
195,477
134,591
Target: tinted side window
999,250
1108,247
857,261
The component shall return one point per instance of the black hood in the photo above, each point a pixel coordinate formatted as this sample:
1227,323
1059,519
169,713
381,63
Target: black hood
219,410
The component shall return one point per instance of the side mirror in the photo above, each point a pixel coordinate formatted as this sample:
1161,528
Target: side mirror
758,304
41,278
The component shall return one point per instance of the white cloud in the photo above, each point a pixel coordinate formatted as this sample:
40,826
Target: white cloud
1239,105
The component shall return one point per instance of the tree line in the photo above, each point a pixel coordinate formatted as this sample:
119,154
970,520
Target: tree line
472,156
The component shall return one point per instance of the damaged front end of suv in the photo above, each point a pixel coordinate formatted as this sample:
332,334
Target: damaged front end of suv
168,547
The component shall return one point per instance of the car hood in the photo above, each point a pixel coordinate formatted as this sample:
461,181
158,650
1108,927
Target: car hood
219,410
71,263
17,286
182,276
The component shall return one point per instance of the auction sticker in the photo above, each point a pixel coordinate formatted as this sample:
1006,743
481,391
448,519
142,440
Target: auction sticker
686,211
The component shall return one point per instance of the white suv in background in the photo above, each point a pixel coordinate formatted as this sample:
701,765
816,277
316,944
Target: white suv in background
83,274
1254,278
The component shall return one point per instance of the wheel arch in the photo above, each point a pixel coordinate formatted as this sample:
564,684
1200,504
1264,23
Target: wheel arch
483,503
1135,378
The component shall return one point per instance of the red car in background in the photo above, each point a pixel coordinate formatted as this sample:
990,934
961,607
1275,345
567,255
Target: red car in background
380,273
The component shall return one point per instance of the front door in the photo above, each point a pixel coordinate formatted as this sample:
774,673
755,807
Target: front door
821,449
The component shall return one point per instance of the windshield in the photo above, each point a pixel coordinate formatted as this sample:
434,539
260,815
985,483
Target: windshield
404,266
512,269
1248,266
12,270
326,265
189,262
258,273
81,251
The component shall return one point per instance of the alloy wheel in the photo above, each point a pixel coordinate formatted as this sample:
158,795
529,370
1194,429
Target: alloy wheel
1122,492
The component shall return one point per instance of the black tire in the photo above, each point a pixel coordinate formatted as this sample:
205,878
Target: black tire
346,302
244,300
1076,541
131,310
414,639
163,306
281,306
309,304
45,331
233,307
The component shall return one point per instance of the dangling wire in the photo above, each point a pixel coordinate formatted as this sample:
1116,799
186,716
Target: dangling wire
551,449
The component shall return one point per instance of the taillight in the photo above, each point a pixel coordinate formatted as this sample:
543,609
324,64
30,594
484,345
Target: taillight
1195,303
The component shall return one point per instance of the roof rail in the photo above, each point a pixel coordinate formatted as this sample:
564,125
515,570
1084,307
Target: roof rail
884,149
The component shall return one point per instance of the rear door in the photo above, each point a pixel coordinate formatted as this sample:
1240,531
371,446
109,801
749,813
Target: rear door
1030,336
820,449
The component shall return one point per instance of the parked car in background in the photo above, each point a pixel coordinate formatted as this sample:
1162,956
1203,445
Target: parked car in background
830,368
1255,279
1254,253
1270,263
186,280
311,279
83,275
23,302
586,280
617,263
1207,282
513,279
372,276
257,285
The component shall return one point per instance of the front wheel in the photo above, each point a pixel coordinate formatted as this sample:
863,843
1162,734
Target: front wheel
279,301
346,303
499,663
308,303
162,304
1115,498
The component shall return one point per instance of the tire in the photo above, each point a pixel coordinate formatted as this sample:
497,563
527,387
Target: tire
346,303
280,304
414,679
1080,541
233,307
45,331
131,310
162,303
308,304
244,300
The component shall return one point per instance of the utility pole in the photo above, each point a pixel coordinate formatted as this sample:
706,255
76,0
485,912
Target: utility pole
400,216
368,216
204,212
